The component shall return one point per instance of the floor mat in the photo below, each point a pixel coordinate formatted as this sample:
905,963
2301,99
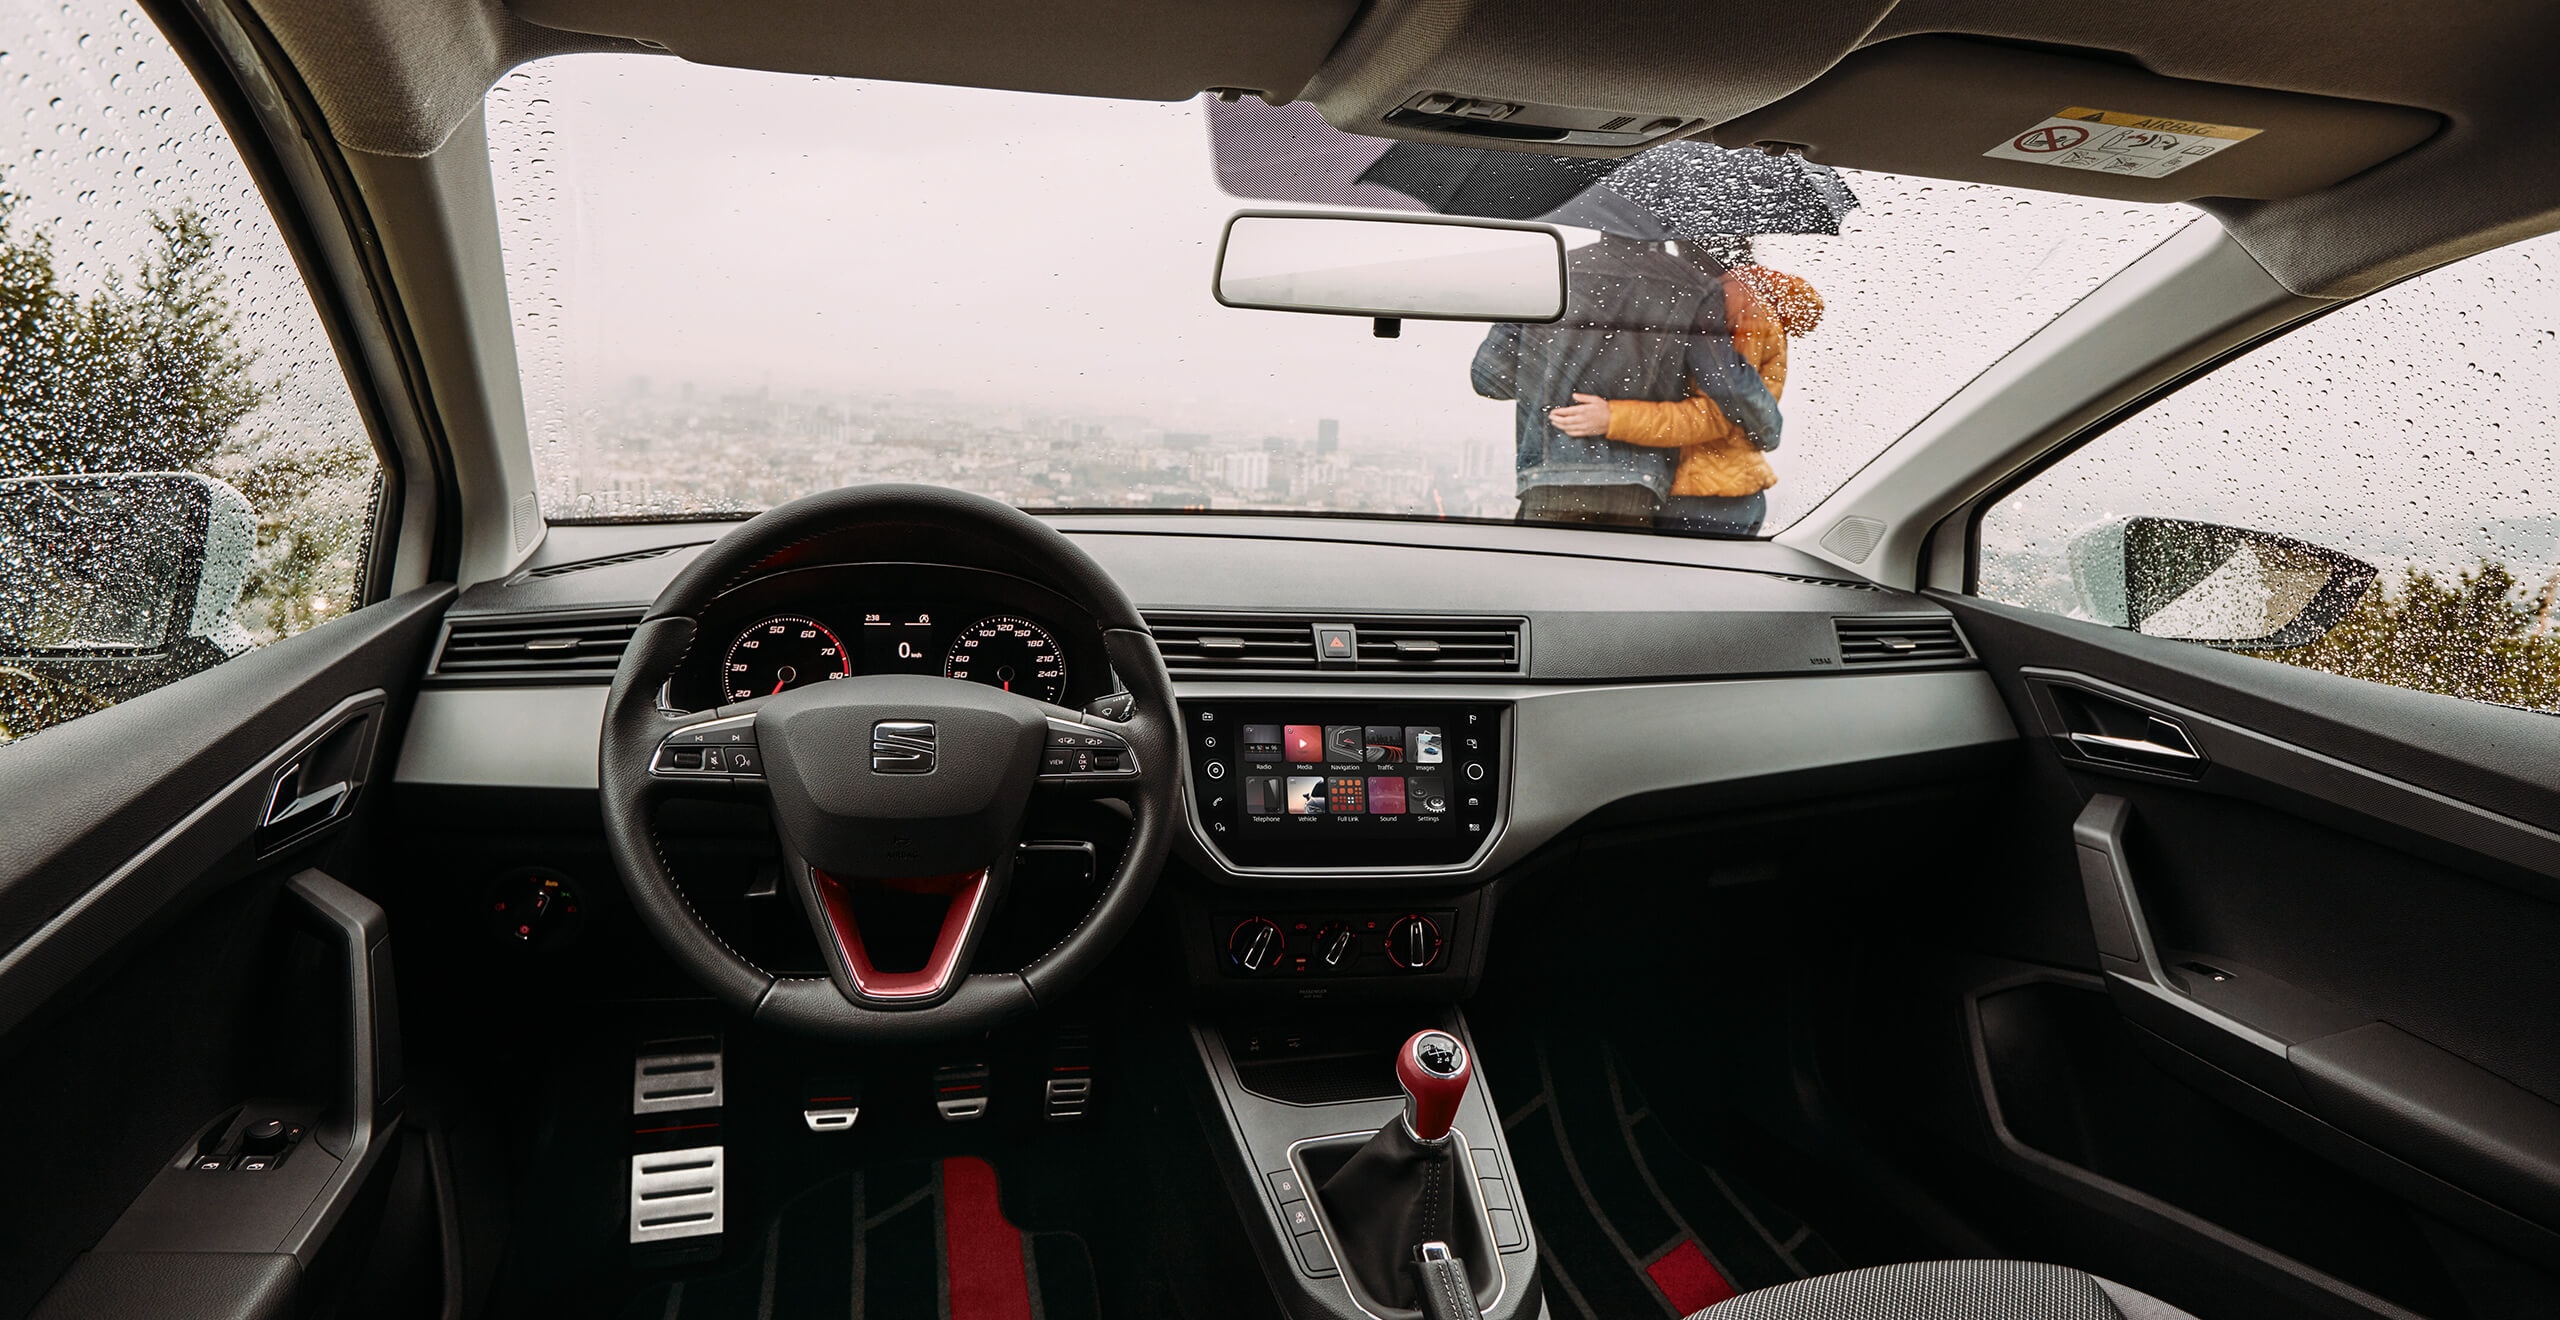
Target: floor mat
1630,1225
906,1241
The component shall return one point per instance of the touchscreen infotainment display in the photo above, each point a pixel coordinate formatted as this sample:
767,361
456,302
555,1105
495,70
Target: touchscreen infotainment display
1343,784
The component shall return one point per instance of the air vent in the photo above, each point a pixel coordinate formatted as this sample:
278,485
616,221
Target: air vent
1902,639
537,648
607,561
1825,582
1199,644
1441,648
1204,644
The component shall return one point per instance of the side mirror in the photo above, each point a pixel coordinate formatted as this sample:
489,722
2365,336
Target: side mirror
1391,267
2226,587
122,565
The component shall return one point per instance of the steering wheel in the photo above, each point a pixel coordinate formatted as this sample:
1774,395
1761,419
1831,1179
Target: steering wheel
890,791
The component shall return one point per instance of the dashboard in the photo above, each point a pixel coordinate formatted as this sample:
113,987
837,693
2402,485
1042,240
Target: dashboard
804,626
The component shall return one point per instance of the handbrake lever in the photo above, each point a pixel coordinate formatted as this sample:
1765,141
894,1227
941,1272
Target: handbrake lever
1440,1284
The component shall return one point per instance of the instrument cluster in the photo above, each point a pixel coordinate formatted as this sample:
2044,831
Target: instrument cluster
816,625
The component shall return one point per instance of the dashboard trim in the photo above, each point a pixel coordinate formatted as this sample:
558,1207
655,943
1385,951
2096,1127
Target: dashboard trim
1571,749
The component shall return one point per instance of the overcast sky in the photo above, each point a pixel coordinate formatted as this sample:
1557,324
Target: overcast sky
1053,254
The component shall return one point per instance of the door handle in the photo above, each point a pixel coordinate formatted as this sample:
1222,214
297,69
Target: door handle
2102,744
326,801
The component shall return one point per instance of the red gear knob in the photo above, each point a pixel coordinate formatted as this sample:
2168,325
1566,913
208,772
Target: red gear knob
1434,1068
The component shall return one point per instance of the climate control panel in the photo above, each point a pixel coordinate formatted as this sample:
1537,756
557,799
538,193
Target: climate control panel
1297,944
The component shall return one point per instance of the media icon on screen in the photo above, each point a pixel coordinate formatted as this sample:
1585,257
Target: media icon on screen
1422,742
1426,795
1261,742
1348,797
1263,795
1304,743
1345,743
1386,795
1383,745
1306,795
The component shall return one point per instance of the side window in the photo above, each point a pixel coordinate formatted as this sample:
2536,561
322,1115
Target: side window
184,475
2371,495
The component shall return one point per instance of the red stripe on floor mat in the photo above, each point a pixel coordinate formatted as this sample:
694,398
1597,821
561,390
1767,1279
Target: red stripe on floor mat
983,1253
1688,1279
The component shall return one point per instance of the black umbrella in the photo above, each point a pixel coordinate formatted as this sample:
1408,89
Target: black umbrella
1683,190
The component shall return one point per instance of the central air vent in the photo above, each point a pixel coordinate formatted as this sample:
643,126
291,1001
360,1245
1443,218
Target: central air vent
1441,648
582,648
1200,645
1900,639
607,561
1205,644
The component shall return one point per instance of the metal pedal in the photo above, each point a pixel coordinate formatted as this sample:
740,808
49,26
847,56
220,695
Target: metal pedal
1068,1094
830,1105
960,1091
677,1194
671,1076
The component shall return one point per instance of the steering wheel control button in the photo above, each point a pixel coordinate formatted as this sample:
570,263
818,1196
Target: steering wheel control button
713,749
1082,751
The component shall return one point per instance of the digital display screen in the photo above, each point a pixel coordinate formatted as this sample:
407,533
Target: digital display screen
1336,784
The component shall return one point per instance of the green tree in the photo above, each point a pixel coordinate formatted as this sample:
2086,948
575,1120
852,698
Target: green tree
147,373
2478,636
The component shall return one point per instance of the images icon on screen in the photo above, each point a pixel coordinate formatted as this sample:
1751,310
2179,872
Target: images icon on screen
1306,795
1349,796
1345,742
1423,740
1384,745
1263,795
1427,794
1386,795
1262,742
1304,742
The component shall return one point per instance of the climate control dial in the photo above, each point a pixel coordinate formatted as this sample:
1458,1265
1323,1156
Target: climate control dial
1413,942
1256,943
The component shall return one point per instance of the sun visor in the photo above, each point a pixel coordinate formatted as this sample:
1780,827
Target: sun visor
1157,50
1983,112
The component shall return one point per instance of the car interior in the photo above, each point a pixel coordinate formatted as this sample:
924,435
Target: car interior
935,892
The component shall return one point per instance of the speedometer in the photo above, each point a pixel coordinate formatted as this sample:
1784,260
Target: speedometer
784,651
1011,653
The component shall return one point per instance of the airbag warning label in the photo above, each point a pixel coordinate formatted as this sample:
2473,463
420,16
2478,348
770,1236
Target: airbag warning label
2113,142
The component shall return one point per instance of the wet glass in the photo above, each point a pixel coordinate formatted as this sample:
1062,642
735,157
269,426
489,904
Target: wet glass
158,325
2411,431
731,288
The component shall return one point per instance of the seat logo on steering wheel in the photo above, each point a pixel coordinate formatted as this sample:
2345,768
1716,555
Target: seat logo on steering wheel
903,747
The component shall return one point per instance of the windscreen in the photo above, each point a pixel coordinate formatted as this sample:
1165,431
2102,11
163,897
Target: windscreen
731,288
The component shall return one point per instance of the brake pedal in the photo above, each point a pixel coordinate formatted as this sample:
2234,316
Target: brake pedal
830,1105
960,1091
672,1076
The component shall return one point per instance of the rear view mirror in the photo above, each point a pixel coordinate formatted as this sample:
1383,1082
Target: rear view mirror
1391,267
2227,587
122,565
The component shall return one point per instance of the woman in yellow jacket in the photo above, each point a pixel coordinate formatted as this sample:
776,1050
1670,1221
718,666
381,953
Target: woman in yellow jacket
1719,487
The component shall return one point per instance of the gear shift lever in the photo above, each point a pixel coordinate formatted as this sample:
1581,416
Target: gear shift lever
1407,1188
1434,1069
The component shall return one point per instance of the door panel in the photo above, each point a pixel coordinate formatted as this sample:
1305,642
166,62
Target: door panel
2339,921
160,964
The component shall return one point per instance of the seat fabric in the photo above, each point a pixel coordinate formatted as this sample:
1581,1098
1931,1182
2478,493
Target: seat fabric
1947,1290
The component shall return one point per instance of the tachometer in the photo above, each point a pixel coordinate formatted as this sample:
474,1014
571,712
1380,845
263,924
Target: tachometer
1011,653
782,652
